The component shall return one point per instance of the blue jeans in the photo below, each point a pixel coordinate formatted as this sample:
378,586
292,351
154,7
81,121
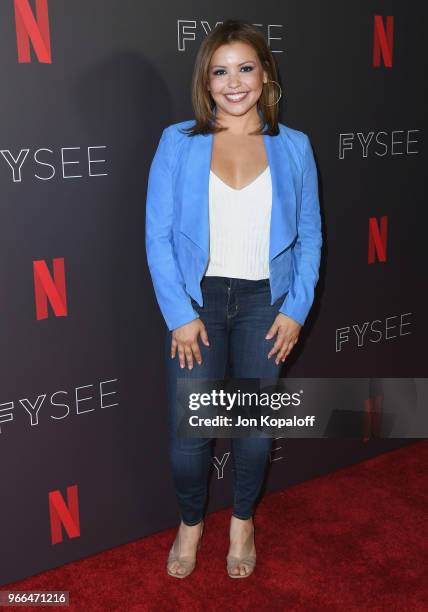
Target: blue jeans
237,315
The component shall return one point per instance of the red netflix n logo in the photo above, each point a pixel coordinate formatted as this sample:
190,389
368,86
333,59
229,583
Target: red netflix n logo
377,239
383,41
47,287
64,514
36,29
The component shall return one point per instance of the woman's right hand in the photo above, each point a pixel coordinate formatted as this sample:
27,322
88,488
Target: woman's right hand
185,339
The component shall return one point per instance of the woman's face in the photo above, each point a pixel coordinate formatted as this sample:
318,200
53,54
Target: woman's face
235,78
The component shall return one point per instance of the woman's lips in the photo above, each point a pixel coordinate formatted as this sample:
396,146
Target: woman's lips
234,98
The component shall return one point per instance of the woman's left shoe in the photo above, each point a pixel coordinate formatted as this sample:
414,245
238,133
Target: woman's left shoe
248,559
186,562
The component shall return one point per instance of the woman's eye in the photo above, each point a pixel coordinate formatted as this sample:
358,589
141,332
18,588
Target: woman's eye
220,70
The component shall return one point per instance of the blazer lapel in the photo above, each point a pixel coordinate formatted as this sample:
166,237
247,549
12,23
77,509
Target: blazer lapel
283,225
195,206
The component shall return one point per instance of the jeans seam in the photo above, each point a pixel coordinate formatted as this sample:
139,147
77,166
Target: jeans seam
191,524
240,517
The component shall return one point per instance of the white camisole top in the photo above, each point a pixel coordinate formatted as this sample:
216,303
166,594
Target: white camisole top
239,221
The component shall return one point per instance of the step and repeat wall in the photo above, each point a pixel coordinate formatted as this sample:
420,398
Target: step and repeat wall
87,88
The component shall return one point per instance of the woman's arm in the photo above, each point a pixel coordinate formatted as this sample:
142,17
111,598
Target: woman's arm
307,249
173,300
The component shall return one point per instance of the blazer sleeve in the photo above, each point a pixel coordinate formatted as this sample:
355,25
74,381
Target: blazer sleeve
306,253
173,300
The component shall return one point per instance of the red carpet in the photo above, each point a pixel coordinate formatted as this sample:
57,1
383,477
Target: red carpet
352,540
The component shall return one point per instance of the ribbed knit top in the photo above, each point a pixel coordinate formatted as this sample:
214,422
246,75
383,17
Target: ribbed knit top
239,221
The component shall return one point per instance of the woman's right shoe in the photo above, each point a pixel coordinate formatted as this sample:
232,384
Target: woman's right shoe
248,559
186,561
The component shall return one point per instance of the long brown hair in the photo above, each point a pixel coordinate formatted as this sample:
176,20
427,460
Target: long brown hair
203,104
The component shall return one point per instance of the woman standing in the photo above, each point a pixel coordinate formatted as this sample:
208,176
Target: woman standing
233,240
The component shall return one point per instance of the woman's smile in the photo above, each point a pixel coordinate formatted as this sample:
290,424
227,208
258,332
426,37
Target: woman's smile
236,97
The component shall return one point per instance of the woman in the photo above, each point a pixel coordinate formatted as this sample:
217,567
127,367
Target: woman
233,240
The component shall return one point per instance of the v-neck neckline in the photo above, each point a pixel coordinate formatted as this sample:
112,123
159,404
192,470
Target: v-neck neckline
242,188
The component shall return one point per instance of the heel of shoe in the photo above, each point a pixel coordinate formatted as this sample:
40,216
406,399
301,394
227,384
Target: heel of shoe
188,564
249,560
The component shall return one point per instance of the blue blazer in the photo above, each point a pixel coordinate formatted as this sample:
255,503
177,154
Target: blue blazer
177,222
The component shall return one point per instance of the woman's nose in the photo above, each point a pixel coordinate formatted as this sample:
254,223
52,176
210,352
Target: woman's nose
234,80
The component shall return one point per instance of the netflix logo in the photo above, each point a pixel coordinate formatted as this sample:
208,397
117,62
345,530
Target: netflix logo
383,40
378,234
64,514
48,288
32,31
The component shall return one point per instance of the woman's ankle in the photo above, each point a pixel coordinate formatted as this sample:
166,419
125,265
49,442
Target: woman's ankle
195,526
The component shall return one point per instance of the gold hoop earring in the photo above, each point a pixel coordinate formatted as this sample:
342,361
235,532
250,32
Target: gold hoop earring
280,92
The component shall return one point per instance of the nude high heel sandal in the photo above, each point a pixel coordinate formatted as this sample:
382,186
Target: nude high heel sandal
186,561
248,559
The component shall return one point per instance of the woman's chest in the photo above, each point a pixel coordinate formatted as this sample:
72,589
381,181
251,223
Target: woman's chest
238,161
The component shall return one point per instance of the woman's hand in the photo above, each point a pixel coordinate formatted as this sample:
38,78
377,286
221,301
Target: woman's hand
185,339
288,333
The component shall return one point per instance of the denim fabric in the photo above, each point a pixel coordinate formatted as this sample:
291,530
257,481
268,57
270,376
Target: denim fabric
237,315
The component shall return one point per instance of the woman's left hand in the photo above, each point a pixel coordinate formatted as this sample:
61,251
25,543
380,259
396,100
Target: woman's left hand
288,333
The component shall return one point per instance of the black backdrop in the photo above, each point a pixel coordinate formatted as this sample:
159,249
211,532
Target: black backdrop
82,393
